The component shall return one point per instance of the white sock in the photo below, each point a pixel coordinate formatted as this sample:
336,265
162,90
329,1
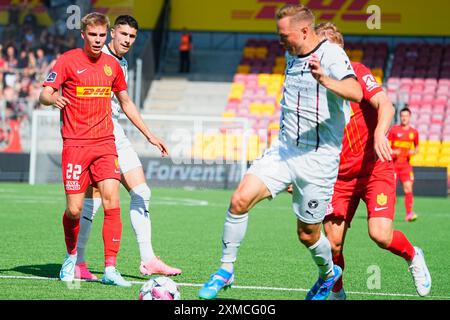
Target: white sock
140,220
234,231
110,269
322,256
90,208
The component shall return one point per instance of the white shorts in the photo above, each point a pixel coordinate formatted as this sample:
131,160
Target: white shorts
312,175
128,158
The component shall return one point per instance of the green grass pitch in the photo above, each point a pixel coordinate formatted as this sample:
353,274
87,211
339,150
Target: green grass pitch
186,230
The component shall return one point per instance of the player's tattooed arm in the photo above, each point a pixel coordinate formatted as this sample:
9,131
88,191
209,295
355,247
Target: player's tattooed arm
49,96
132,113
386,111
348,89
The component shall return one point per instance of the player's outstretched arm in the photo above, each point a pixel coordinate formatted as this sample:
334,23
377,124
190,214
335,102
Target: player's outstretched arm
386,111
130,110
49,97
348,89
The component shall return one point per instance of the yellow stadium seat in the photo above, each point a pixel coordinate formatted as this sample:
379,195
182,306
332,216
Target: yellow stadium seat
444,161
278,70
243,68
431,160
357,55
432,150
228,114
235,94
280,61
237,86
379,80
274,126
445,151
255,108
263,79
267,109
249,52
277,79
432,144
378,72
445,144
261,52
417,160
273,92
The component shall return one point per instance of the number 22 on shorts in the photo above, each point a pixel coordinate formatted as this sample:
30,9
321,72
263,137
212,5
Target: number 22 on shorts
73,171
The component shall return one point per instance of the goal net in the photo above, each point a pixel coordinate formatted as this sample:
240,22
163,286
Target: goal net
204,152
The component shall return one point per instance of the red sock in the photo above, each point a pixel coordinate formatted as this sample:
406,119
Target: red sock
71,230
401,246
409,202
339,260
112,234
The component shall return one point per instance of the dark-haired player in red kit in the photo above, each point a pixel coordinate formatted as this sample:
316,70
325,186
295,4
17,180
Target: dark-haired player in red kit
87,77
366,172
405,143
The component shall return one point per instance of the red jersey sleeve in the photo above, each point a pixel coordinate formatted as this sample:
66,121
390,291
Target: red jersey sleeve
57,75
119,83
391,136
368,82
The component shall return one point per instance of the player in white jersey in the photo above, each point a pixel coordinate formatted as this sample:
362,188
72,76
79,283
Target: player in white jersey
123,35
318,82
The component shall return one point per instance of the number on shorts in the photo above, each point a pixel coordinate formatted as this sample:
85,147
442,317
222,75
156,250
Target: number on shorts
73,171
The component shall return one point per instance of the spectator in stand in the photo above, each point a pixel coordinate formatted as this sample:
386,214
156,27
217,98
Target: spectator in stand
185,51
22,62
31,67
41,65
3,66
29,38
11,59
10,76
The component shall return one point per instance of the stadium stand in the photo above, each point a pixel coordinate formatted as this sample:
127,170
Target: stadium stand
419,78
27,53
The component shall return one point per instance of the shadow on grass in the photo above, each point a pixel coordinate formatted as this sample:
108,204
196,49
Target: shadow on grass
51,270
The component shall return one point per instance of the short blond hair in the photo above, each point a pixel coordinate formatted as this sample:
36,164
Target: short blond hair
329,31
94,19
298,12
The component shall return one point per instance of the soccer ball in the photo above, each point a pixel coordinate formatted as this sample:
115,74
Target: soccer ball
159,288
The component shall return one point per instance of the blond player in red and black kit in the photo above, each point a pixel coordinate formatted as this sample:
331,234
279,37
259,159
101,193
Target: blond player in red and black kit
405,143
87,77
366,172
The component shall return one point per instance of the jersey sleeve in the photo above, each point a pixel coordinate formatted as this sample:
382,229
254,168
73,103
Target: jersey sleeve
368,82
119,83
391,135
57,75
337,63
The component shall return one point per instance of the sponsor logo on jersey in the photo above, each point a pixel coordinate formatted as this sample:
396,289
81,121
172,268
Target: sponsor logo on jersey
370,82
102,92
108,70
403,144
330,209
51,77
313,204
72,185
382,199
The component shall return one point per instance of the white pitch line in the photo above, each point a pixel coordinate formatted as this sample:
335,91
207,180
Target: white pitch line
245,287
